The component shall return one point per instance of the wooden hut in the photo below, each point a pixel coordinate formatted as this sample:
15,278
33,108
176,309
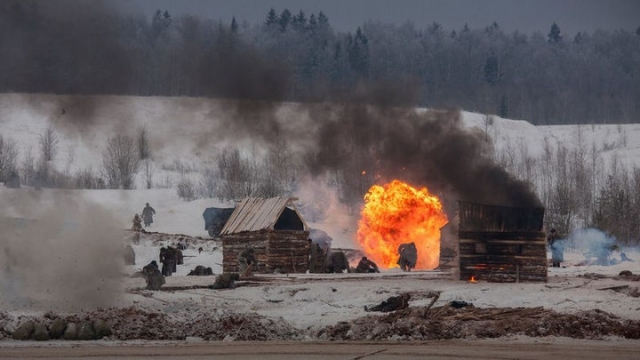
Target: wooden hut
274,229
501,244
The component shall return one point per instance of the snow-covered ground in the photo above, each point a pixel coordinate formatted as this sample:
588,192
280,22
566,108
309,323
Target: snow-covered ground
303,300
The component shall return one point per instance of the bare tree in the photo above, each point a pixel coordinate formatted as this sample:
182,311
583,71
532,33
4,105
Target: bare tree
208,182
142,142
28,168
185,188
49,143
8,160
120,162
147,167
237,175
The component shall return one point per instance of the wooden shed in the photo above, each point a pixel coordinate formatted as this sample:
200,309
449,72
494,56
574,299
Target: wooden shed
274,229
502,244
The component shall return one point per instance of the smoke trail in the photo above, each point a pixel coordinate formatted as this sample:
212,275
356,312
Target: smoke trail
426,148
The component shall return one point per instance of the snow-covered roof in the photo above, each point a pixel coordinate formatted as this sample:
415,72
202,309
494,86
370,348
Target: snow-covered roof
254,214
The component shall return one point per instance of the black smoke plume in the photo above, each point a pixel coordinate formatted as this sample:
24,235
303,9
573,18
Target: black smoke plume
370,134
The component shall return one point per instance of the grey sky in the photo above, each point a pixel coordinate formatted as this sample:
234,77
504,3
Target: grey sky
345,15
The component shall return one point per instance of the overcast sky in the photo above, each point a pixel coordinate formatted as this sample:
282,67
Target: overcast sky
345,15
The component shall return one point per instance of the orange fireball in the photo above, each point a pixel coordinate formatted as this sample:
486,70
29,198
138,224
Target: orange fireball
398,213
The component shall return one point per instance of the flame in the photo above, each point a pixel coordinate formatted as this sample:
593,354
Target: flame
397,213
473,279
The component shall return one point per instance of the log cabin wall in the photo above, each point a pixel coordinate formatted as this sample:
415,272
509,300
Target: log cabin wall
284,250
502,244
288,251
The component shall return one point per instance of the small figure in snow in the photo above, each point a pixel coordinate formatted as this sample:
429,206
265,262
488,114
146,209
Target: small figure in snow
147,215
317,258
408,256
225,281
137,223
246,261
391,304
557,248
367,266
337,262
169,258
153,276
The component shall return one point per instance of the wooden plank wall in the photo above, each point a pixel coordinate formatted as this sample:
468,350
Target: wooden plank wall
234,244
478,217
284,250
288,251
503,256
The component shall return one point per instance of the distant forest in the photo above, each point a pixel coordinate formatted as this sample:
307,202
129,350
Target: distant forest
542,78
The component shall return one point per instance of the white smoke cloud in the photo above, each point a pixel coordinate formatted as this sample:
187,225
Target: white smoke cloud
58,252
592,242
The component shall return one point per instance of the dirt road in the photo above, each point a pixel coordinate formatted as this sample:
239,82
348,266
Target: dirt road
465,349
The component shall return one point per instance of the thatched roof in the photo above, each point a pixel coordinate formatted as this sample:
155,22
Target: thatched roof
254,214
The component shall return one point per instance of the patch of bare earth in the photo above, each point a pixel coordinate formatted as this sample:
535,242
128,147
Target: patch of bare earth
132,323
412,324
445,322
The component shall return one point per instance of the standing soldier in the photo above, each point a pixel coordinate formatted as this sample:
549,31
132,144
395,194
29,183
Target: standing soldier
557,250
317,258
147,215
246,261
168,260
408,256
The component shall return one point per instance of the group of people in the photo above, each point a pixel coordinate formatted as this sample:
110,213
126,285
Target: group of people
326,261
170,257
147,218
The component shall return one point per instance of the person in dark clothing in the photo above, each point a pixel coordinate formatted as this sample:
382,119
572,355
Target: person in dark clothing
317,258
408,256
169,260
557,248
246,262
367,266
137,223
147,215
152,276
201,271
337,262
225,281
391,304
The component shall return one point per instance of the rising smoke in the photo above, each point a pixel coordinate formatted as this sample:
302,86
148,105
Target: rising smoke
58,252
371,135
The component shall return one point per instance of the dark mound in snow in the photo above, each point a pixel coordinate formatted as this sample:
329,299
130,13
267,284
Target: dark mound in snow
412,324
445,322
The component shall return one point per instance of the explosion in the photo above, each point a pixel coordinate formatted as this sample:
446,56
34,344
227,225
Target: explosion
397,213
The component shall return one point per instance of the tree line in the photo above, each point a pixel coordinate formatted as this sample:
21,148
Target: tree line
542,78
